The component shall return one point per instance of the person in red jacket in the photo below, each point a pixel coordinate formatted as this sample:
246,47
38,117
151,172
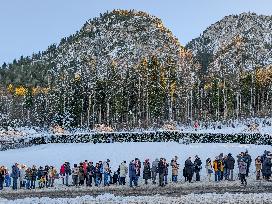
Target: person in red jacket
62,172
85,165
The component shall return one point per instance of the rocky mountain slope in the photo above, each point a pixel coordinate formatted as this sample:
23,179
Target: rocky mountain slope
237,42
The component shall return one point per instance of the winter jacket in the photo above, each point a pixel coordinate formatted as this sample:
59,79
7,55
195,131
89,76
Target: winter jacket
28,174
197,164
242,167
106,167
34,174
62,170
161,168
132,170
166,165
123,170
258,165
208,167
15,172
67,169
75,171
81,173
230,161
146,171
247,159
52,173
97,171
175,168
266,170
2,175
40,173
90,170
85,165
218,165
155,166
239,158
189,167
22,174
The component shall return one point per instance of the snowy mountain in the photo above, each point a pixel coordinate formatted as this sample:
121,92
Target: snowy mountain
236,42
120,38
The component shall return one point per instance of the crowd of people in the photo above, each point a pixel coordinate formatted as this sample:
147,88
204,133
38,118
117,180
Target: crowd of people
100,174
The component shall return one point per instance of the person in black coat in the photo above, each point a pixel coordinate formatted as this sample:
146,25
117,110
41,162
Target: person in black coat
90,173
146,171
230,161
248,160
198,167
266,170
189,169
2,177
161,169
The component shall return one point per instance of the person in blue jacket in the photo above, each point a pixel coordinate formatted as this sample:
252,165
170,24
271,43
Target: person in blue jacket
15,173
132,174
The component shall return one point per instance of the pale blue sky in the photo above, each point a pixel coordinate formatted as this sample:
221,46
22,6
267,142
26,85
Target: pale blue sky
27,26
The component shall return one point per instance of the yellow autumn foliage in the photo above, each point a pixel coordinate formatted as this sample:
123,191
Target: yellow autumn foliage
10,88
20,91
38,90
208,86
264,75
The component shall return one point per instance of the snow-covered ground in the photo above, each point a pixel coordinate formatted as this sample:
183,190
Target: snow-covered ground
226,198
56,154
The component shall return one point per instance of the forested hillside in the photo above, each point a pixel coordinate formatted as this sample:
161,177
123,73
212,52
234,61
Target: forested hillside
126,70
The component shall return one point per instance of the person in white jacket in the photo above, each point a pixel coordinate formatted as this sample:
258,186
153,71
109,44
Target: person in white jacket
22,176
123,173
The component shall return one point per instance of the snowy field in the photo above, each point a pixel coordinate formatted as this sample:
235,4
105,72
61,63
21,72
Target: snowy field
262,198
56,154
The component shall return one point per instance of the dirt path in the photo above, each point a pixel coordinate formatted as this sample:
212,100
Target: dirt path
170,190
